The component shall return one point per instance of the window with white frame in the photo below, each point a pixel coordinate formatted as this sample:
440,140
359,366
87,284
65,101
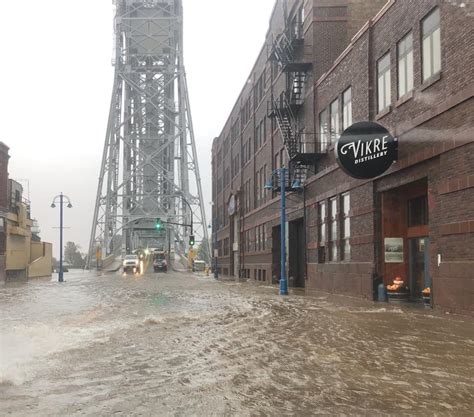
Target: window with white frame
334,120
431,44
346,108
322,232
258,180
333,229
345,227
383,82
322,223
405,65
323,130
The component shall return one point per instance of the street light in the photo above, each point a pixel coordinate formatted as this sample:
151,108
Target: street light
61,197
296,185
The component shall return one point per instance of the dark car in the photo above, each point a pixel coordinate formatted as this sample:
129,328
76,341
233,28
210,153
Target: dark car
160,264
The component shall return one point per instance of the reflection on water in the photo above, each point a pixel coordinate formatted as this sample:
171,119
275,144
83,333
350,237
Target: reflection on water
166,344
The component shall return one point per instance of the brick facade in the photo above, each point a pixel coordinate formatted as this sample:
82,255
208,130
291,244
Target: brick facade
434,124
4,203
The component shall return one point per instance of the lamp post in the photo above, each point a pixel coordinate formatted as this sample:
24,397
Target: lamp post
282,172
61,197
283,278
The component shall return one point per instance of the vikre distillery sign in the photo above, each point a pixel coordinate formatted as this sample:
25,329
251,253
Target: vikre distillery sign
366,150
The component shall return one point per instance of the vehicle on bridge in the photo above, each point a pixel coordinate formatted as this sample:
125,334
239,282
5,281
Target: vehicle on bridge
159,262
131,263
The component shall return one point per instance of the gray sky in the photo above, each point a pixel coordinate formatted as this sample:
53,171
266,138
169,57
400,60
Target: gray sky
56,79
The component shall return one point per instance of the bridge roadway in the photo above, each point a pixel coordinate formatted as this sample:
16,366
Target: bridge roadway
182,344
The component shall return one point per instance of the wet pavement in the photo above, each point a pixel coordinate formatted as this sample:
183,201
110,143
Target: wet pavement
180,345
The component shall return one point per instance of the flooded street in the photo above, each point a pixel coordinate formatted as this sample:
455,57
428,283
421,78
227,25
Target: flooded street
179,345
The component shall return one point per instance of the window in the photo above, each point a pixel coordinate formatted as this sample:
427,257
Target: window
274,68
264,182
247,196
260,238
234,131
346,108
260,181
333,229
431,44
383,82
345,227
247,241
405,65
249,150
260,133
226,246
235,165
246,113
418,211
321,231
334,120
259,90
323,130
321,223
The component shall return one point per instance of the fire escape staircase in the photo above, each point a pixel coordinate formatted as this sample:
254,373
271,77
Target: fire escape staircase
285,109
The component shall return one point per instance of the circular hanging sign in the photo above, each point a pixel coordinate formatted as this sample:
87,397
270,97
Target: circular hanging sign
232,205
366,150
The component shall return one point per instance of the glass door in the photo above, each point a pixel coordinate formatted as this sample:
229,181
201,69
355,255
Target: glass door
419,266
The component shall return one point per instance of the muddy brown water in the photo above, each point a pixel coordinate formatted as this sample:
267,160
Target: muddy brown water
179,345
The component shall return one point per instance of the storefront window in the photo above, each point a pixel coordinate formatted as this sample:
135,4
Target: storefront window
322,223
345,228
333,229
334,120
323,130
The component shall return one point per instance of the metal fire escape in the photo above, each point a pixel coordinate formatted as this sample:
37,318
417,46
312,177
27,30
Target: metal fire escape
149,166
287,51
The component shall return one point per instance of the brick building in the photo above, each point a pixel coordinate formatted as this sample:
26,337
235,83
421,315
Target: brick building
4,204
406,65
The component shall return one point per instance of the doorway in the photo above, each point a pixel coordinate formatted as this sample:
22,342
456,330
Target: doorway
276,254
296,248
419,276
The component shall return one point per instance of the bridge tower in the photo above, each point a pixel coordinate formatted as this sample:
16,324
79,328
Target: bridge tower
149,167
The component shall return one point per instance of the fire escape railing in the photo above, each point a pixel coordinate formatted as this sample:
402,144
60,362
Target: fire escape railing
303,149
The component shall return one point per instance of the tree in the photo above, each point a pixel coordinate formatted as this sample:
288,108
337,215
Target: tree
73,256
203,251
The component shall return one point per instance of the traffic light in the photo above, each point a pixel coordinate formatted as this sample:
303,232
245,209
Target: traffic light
191,240
158,224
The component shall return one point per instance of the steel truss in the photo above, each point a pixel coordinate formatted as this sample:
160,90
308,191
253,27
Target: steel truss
149,166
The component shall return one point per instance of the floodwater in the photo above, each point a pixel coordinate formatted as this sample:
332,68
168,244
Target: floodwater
181,345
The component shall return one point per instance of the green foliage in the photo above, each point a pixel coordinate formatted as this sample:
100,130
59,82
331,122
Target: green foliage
73,256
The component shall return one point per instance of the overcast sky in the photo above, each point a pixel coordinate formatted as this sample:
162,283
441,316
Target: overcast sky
56,79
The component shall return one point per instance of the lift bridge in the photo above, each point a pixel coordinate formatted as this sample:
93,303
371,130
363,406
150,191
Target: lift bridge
149,167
